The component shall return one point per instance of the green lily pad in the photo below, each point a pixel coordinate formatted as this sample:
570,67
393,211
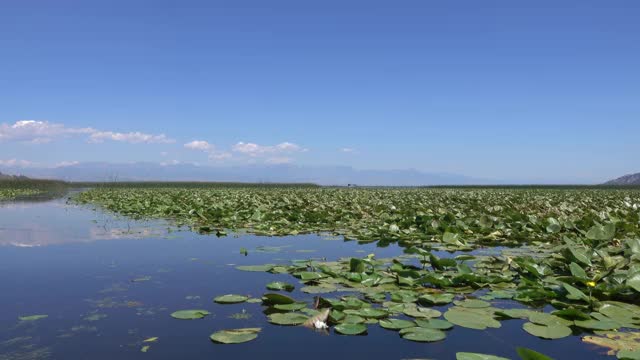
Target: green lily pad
421,312
291,307
471,318
438,324
280,286
256,268
396,324
287,319
33,317
476,356
276,299
368,313
350,329
528,354
473,303
190,314
318,289
235,336
555,331
230,299
420,334
597,324
436,299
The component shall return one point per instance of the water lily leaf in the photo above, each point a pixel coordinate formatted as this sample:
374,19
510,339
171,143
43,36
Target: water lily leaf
190,314
628,354
555,331
308,275
476,356
368,313
353,319
597,324
633,281
602,233
571,314
396,324
473,303
438,324
421,312
276,299
280,286
541,318
580,255
33,317
256,268
230,299
357,265
436,299
291,307
350,329
235,336
528,354
574,293
287,319
324,289
577,271
471,318
420,334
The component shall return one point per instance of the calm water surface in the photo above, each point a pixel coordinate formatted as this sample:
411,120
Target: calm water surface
108,283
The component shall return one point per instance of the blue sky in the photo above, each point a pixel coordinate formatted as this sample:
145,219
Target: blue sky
534,91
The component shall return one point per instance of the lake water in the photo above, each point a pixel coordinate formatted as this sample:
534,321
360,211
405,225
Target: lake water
108,283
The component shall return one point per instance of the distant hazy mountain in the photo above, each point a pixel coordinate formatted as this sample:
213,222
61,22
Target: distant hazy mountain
631,179
323,175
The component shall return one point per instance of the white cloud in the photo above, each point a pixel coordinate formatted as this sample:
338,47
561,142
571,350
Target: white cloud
34,131
130,137
254,150
38,132
16,163
347,150
199,145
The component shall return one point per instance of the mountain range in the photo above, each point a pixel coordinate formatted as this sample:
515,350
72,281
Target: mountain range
631,179
285,173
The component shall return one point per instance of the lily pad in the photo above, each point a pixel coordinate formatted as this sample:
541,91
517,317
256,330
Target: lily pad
190,314
476,356
235,336
256,268
555,331
396,324
350,329
230,299
471,318
33,317
420,334
287,319
280,286
291,307
438,324
276,299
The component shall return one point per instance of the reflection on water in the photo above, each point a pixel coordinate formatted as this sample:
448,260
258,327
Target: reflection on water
29,224
112,299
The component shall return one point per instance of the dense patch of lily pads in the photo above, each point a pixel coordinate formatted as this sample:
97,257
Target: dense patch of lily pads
575,250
